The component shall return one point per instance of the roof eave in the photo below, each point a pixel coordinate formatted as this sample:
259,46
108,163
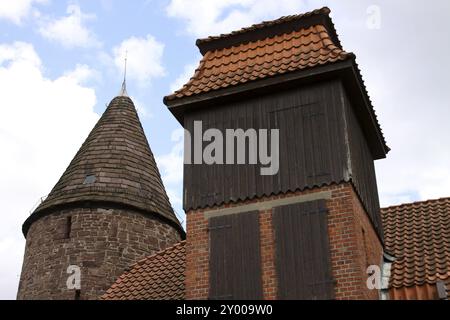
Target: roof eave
345,70
370,124
178,105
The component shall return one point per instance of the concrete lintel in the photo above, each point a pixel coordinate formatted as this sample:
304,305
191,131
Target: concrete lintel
266,205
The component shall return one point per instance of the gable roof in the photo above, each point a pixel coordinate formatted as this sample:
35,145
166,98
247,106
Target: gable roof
418,235
114,165
157,277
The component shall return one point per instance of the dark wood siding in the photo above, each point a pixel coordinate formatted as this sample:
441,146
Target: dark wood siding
321,143
302,251
312,145
362,167
235,260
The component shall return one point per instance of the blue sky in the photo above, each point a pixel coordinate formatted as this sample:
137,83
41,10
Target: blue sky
61,62
110,23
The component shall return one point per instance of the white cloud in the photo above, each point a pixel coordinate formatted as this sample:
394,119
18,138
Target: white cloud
410,90
408,83
144,59
183,78
70,31
205,18
82,73
171,164
16,10
171,168
42,124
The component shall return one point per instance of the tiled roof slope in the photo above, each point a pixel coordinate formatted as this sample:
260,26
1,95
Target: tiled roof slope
157,277
118,155
297,50
418,235
266,24
422,292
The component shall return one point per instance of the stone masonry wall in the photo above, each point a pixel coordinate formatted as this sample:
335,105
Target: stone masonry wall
353,244
102,242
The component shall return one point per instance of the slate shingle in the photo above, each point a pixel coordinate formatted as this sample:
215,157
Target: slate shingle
118,155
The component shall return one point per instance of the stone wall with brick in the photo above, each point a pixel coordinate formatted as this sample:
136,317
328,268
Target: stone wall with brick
102,242
354,244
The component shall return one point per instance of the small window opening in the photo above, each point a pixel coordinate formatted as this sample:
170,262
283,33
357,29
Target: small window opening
78,294
90,179
68,228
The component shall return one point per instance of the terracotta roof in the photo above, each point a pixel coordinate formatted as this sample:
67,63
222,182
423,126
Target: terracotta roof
157,277
295,50
418,235
115,164
266,24
423,292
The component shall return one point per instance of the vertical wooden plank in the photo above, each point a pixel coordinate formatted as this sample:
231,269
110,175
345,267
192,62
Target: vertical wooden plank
299,260
307,146
227,169
363,169
303,145
302,251
219,230
235,257
187,169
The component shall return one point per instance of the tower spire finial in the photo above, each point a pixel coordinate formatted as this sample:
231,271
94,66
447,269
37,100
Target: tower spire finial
123,91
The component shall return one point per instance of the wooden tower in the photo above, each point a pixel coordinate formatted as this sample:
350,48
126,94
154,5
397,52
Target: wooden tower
310,230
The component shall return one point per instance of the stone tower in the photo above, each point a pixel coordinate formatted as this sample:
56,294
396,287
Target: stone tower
108,210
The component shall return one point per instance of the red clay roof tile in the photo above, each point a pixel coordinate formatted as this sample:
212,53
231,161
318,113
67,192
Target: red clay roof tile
418,235
157,277
298,50
266,24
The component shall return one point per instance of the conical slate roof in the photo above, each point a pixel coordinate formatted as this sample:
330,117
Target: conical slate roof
114,165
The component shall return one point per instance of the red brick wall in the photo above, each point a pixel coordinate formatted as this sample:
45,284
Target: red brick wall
351,252
197,255
269,277
102,242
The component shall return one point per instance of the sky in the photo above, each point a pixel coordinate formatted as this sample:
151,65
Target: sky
61,63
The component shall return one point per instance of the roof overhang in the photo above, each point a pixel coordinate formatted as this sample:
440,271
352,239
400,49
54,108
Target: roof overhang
347,71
